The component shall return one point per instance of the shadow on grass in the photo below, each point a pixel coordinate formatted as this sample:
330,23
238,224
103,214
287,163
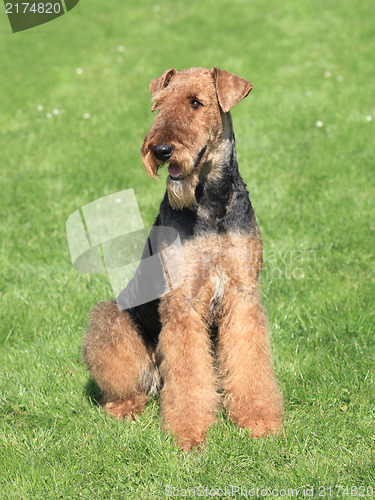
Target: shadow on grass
92,392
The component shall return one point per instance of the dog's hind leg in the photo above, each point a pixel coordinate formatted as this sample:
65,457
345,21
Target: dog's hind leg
119,361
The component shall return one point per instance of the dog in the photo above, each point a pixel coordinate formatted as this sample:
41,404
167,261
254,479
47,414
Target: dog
206,340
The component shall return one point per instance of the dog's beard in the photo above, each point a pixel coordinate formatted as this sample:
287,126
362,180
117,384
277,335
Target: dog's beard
181,193
151,165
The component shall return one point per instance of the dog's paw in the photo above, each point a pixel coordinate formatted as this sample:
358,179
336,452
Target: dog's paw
128,408
264,428
190,444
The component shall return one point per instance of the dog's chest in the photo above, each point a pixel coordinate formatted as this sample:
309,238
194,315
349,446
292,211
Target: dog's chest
215,264
219,281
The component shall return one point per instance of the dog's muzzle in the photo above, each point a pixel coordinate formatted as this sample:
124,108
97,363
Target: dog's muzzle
162,152
175,171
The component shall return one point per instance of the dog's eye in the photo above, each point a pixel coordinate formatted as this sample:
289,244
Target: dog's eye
195,104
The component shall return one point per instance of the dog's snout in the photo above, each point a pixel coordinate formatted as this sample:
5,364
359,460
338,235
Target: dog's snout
162,152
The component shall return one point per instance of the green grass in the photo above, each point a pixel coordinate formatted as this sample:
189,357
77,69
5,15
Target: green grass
313,192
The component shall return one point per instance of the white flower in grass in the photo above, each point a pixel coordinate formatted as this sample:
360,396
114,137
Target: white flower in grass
327,74
79,71
39,107
319,123
86,116
49,115
56,111
368,118
120,48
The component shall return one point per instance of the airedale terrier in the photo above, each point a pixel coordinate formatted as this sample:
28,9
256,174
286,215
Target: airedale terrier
207,339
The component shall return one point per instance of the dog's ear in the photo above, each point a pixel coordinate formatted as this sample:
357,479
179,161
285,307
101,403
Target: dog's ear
161,82
230,88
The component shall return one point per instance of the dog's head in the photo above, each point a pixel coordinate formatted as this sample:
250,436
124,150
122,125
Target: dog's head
190,123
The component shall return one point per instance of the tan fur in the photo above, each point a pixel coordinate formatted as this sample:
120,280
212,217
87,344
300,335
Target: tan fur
119,360
172,99
220,290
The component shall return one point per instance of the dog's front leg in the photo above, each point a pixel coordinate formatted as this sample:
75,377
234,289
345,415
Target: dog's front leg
189,396
251,394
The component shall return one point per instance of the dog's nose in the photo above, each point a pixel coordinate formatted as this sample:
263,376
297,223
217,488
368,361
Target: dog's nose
162,151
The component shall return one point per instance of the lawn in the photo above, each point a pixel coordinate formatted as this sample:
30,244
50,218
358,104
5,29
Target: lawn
75,107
